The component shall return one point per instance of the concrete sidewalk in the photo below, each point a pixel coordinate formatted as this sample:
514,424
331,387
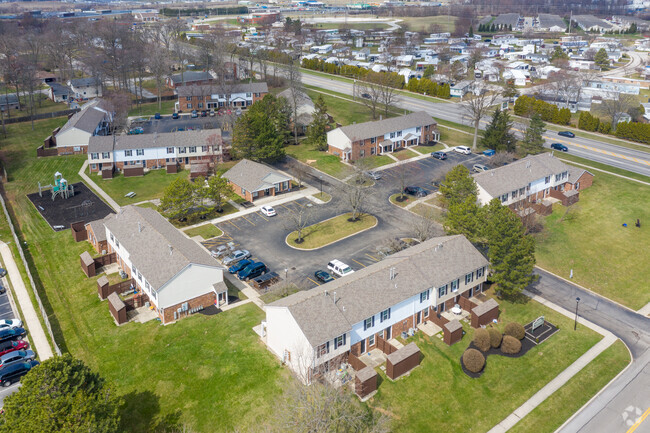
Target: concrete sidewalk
107,198
562,378
30,317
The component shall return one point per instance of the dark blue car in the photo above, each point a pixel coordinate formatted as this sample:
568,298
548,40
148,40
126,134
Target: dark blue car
566,134
239,266
253,270
12,333
559,146
323,276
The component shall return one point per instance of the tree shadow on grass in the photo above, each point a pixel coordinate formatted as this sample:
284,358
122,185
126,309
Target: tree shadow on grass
141,413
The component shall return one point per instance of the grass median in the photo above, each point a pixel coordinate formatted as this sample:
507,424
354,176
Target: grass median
329,231
206,231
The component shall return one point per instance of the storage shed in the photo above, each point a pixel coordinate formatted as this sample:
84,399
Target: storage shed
402,361
365,382
453,332
87,264
117,308
485,313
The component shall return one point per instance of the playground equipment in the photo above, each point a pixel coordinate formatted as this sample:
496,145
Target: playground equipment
60,187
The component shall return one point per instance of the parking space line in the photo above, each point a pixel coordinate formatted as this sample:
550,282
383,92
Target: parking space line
301,205
372,258
359,263
6,303
263,217
235,225
244,216
287,208
313,281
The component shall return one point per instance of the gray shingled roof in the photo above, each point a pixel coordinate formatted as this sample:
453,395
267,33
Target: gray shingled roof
253,176
115,300
87,119
454,325
402,353
486,306
204,137
60,89
370,290
209,89
546,21
98,227
148,244
519,174
576,172
190,76
362,131
85,82
589,21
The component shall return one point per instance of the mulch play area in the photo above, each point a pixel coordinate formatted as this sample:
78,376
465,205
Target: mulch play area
59,213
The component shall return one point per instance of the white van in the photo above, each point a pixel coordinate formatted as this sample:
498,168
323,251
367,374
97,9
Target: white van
339,268
463,149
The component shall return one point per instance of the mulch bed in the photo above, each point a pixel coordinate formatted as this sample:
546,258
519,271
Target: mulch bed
526,345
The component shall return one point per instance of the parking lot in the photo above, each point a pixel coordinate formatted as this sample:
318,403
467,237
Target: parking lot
7,312
184,122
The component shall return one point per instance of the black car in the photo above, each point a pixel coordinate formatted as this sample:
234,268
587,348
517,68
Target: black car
3,272
3,289
323,276
415,190
365,96
439,155
566,134
559,146
12,373
12,333
175,116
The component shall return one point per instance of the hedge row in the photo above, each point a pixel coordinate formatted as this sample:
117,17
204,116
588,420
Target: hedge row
634,131
527,106
588,122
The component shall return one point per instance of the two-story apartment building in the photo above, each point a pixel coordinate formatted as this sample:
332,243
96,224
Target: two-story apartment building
155,150
530,179
190,78
171,270
214,97
94,119
314,330
356,141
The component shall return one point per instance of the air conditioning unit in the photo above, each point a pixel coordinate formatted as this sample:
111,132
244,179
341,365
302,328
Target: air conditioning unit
103,252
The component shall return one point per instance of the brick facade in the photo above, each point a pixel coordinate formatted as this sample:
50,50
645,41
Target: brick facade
249,194
200,102
99,246
205,301
70,150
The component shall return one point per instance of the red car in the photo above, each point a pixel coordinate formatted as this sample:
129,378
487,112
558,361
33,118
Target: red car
10,346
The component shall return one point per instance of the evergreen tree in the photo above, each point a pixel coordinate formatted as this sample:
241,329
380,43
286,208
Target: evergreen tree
471,31
429,71
533,141
465,218
510,27
317,132
602,59
458,186
261,132
559,54
509,90
497,135
493,28
178,199
217,189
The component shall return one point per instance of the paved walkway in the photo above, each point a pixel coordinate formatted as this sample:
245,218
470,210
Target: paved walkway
603,171
30,317
564,376
645,311
107,198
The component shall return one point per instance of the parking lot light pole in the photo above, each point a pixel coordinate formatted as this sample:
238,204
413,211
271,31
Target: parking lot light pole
286,271
321,186
575,324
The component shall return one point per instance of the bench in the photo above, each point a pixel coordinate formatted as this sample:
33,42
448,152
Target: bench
130,194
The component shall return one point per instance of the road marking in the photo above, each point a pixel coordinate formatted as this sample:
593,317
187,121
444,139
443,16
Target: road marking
287,208
372,258
6,303
313,281
262,215
251,222
295,202
359,263
235,225
638,423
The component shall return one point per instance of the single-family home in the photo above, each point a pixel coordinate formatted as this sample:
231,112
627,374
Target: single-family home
214,96
314,331
304,108
152,151
518,76
359,140
461,88
94,119
173,272
190,78
405,60
59,93
530,179
86,88
252,180
9,101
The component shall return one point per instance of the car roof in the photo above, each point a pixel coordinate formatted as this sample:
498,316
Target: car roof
15,367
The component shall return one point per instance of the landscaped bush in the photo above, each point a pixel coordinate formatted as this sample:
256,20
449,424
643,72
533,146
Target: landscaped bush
516,330
495,337
482,339
473,360
510,345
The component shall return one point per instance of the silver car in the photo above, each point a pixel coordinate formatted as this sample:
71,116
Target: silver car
16,356
236,256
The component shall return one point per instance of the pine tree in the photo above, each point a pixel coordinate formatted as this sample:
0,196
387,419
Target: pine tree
465,218
458,186
497,135
471,31
317,132
261,132
493,28
178,199
533,141
602,59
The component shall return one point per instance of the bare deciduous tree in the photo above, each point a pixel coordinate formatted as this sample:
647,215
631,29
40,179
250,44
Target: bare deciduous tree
297,221
355,199
616,105
369,94
294,80
478,105
424,227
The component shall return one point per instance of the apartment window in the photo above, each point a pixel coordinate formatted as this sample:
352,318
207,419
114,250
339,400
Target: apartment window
323,349
94,156
112,238
128,153
373,140
373,151
514,194
117,243
248,95
564,175
399,133
454,285
469,278
480,272
392,135
182,149
385,315
522,191
339,341
418,129
199,105
424,296
106,155
188,98
362,153
134,269
139,152
425,313
257,95
557,177
547,179
192,149
170,150
139,276
442,291
504,198
189,106
94,166
369,323
204,148
146,284
371,340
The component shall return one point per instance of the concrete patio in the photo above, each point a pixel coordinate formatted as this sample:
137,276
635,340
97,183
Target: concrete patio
429,328
374,358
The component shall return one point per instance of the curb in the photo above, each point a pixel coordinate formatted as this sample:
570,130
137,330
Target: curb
333,242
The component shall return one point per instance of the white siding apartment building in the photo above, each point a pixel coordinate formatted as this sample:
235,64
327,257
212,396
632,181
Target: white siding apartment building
93,119
314,331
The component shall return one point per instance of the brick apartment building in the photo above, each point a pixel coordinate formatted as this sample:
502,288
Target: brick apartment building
356,141
252,180
190,78
214,97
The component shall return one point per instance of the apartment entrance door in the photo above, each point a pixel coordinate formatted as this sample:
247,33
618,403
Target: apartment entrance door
363,346
387,333
418,318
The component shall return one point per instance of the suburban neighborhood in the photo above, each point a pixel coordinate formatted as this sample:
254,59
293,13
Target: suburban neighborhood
317,216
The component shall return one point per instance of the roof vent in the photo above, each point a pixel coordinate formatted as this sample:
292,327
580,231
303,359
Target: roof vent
528,164
440,245
392,273
139,227
334,297
171,249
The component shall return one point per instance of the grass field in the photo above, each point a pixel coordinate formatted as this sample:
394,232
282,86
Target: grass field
439,392
206,231
44,105
151,108
329,231
425,211
604,255
408,199
214,365
344,26
147,187
345,112
323,196
404,154
438,24
330,164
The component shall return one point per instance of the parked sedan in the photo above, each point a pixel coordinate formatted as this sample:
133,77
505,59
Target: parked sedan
11,323
239,266
559,146
236,256
194,114
439,155
479,168
13,373
12,333
268,211
136,131
11,346
3,272
415,191
16,356
566,134
323,276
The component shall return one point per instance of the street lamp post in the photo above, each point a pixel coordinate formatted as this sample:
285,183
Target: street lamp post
575,323
286,271
321,186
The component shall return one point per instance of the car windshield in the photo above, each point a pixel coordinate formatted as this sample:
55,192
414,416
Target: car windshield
346,270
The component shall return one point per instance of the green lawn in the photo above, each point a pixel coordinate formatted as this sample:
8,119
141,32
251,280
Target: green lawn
45,105
323,196
355,26
151,108
404,154
375,161
428,149
454,138
206,231
345,112
425,211
329,231
605,257
214,365
437,24
323,161
439,393
147,187
550,415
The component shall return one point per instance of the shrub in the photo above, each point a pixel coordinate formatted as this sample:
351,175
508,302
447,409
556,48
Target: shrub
516,330
482,339
473,360
495,337
510,345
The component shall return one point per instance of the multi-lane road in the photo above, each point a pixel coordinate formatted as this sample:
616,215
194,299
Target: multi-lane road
633,160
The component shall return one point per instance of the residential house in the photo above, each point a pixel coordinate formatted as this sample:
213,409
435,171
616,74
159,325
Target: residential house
304,108
189,78
152,151
94,119
146,16
314,331
214,97
174,273
530,179
9,101
86,88
356,141
59,93
518,76
405,60
461,88
609,89
252,180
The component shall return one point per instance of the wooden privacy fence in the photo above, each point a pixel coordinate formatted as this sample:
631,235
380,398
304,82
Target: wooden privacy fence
466,304
89,264
104,289
355,362
385,346
79,232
